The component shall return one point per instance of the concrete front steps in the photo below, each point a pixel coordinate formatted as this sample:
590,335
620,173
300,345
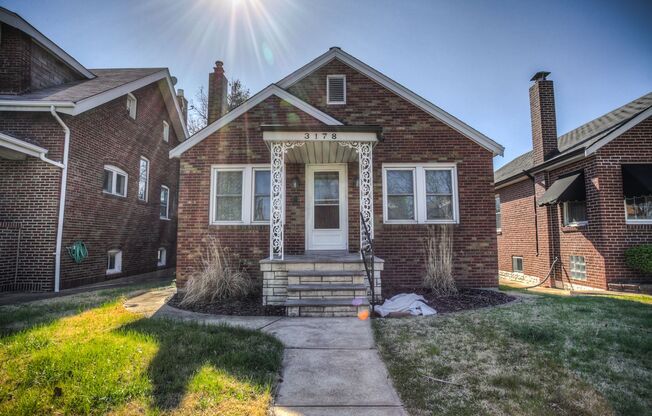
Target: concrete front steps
326,293
319,285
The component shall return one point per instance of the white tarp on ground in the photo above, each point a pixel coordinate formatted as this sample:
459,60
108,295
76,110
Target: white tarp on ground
406,302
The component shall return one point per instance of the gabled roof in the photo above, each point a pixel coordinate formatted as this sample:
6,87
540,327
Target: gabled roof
13,19
396,88
261,96
79,96
588,137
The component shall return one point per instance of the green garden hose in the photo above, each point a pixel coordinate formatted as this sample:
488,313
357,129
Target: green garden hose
78,251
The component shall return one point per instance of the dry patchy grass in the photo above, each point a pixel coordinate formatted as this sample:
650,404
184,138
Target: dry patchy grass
548,355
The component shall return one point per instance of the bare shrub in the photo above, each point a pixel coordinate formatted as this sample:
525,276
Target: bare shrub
439,260
218,275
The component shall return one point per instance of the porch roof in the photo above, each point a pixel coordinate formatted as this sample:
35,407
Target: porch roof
321,144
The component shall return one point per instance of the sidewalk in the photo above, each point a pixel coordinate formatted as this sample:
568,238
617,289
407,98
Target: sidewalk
331,365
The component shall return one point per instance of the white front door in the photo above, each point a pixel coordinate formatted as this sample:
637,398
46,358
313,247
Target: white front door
326,207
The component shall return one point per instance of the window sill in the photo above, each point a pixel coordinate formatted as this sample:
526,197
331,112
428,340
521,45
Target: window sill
409,222
112,272
638,222
336,103
573,228
164,219
114,195
499,232
239,223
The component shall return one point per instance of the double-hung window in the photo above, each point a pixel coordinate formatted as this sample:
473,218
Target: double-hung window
166,131
422,193
240,194
637,190
143,179
132,104
165,203
498,214
115,181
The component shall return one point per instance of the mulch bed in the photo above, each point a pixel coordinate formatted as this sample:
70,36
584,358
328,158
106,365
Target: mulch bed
248,306
464,300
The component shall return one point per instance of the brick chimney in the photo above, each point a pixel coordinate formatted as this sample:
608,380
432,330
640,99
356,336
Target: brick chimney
183,104
217,90
544,121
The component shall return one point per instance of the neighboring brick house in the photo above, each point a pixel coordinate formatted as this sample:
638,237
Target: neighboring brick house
582,198
73,145
339,136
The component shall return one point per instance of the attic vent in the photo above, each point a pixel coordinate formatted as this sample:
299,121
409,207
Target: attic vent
336,89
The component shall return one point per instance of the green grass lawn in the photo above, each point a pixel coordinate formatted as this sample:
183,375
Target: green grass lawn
85,354
548,355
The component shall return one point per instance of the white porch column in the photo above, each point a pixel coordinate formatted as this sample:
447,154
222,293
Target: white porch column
365,165
277,189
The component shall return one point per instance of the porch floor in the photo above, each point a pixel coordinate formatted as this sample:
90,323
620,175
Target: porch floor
321,257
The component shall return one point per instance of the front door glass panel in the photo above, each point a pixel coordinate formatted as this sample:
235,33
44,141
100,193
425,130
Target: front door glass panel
327,200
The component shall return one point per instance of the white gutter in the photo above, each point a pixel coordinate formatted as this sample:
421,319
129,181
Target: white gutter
62,196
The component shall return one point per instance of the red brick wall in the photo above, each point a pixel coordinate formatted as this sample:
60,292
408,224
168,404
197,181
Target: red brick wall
104,135
106,222
240,142
606,237
29,199
26,66
15,52
411,135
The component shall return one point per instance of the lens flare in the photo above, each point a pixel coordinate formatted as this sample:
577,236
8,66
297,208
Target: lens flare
363,315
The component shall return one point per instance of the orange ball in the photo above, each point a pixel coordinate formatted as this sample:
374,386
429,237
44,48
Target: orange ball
363,314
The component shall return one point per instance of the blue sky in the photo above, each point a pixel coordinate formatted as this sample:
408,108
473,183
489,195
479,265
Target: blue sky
472,58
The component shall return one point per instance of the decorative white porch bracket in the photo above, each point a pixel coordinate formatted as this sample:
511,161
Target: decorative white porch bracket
366,178
277,187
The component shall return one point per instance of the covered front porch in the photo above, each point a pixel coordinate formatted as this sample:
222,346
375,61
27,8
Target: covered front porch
314,176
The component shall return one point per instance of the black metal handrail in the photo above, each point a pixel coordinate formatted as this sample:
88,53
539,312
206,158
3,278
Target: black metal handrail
368,258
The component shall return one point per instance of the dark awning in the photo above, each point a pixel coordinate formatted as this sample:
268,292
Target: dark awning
637,180
568,188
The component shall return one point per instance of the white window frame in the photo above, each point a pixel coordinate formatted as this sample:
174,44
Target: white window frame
634,221
419,183
132,109
166,132
167,210
499,212
115,171
572,267
248,199
146,180
574,223
162,259
522,271
118,261
328,90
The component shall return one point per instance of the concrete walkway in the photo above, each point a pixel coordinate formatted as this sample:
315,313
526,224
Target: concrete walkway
330,367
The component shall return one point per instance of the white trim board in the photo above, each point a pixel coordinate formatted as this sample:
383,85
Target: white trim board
21,146
14,20
248,105
398,89
618,132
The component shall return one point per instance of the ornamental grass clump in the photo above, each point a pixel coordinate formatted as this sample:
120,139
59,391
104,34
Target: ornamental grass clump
439,261
218,275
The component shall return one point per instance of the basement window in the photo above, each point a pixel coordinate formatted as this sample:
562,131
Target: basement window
517,264
114,264
162,257
577,267
132,103
115,181
575,213
336,89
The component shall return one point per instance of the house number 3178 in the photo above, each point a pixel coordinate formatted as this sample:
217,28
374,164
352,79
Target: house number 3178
320,136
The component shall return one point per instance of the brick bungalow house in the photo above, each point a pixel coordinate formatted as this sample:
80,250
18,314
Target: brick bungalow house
290,179
83,158
582,198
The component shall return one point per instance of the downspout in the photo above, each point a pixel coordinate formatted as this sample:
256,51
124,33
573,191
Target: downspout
536,220
62,195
